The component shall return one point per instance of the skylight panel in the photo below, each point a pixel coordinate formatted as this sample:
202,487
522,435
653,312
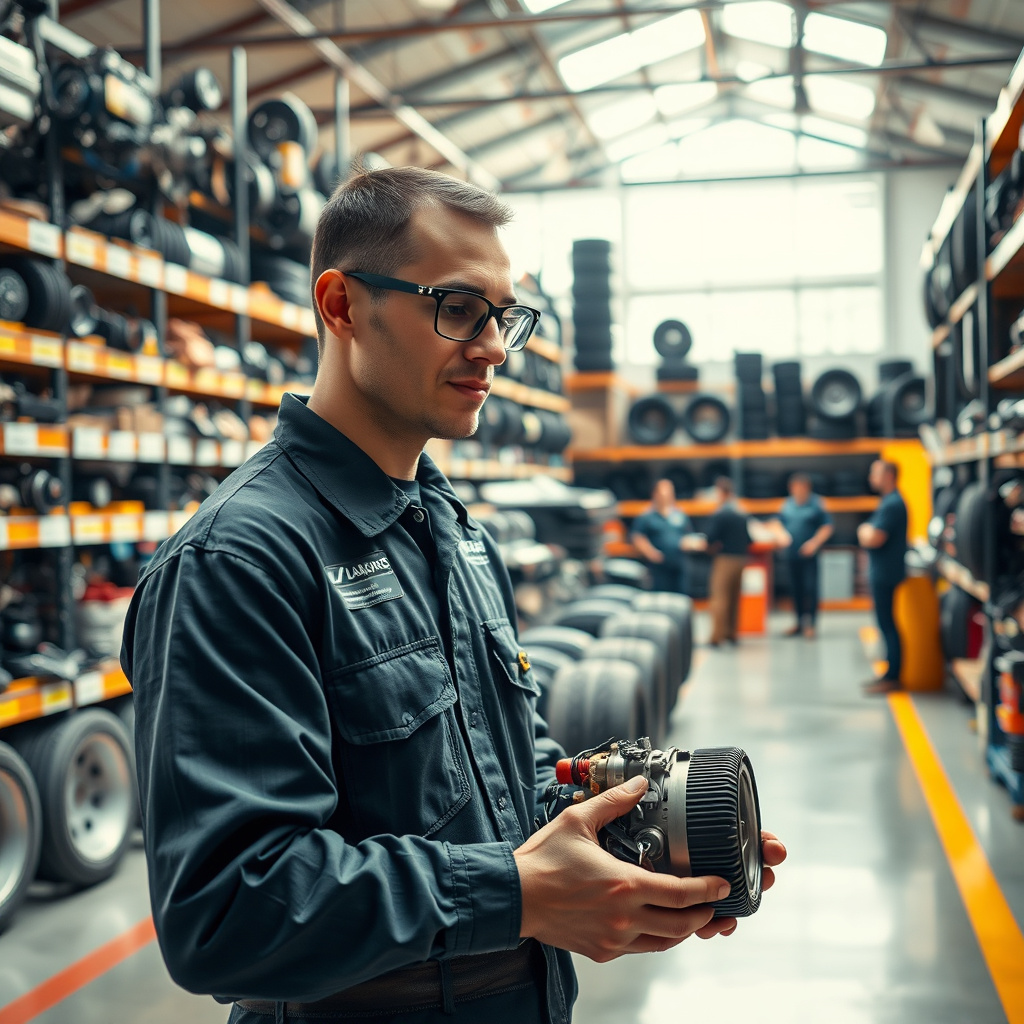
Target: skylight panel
630,51
738,147
763,21
777,92
618,118
657,165
678,98
637,142
687,126
748,70
828,94
816,154
847,40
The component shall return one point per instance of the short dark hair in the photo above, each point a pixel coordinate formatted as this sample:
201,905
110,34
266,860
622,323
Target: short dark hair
724,484
800,477
365,223
892,468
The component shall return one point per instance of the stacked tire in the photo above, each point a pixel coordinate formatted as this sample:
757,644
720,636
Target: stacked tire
612,665
790,412
592,305
672,341
835,400
901,404
751,400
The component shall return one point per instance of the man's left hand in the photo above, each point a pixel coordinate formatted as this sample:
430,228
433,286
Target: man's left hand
808,549
774,853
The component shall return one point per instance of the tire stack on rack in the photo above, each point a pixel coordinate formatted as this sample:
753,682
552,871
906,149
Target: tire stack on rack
592,304
751,400
672,341
790,410
835,400
900,405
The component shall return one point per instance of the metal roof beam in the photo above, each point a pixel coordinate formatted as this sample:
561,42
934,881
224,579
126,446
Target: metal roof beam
965,31
921,89
301,27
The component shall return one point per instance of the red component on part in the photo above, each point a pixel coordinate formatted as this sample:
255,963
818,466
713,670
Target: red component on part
563,771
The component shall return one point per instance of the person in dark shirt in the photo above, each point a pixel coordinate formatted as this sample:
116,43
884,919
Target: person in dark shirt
728,539
660,535
885,537
809,526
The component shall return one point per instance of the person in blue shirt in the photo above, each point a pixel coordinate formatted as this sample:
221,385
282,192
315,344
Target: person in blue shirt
885,537
660,536
809,526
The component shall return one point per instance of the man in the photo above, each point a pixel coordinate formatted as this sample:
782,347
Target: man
885,537
728,539
339,758
661,535
809,526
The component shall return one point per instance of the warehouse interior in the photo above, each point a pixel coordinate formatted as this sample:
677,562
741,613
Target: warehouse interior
777,251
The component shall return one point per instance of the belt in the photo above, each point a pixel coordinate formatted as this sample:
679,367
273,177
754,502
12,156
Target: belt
427,986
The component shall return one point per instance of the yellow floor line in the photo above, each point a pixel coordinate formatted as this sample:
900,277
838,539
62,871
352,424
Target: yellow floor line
998,934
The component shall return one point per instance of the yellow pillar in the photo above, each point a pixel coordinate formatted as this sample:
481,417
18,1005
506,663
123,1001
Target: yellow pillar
916,610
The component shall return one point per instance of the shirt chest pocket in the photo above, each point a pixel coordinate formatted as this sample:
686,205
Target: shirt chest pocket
402,765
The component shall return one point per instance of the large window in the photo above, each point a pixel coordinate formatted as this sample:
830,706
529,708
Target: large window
788,267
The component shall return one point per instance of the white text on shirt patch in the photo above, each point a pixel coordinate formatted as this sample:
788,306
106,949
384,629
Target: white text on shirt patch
474,552
366,581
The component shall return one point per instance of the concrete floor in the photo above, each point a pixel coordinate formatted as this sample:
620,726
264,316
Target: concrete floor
865,925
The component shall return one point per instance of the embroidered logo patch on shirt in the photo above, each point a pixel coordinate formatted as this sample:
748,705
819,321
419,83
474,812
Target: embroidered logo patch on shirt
474,552
366,581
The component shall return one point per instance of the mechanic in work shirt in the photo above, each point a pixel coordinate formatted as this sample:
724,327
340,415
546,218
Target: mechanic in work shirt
339,758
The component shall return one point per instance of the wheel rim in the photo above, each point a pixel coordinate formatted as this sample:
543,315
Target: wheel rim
14,835
750,839
97,798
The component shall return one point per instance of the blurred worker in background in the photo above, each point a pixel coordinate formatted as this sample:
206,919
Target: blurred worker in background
809,526
885,537
728,539
662,535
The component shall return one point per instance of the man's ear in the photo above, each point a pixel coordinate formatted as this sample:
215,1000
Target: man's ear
333,302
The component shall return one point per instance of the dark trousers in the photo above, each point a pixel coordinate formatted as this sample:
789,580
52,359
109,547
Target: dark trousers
803,575
668,577
883,595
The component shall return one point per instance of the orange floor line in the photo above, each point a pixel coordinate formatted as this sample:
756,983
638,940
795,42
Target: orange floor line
67,982
998,934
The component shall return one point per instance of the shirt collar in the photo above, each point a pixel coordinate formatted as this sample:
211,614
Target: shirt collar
345,475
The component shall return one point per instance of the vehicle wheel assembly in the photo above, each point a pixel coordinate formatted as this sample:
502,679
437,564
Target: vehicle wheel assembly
20,831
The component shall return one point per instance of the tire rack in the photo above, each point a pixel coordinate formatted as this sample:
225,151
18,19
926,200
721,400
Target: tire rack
740,455
1000,279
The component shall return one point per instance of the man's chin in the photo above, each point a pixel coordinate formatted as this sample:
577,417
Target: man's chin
455,430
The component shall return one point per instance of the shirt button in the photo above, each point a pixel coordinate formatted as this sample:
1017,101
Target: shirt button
417,514
501,803
407,718
473,720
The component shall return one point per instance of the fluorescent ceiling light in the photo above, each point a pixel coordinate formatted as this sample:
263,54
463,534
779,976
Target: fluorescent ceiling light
677,99
618,118
630,51
847,40
539,6
777,92
637,142
763,21
657,165
748,70
833,131
828,94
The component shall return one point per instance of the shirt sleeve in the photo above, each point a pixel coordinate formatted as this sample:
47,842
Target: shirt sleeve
886,517
254,893
824,517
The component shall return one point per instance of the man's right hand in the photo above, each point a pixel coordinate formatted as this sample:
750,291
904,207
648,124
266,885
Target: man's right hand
577,896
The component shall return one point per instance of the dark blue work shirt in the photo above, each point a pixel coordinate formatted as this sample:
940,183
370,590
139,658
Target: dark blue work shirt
727,531
338,748
888,563
802,522
665,532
